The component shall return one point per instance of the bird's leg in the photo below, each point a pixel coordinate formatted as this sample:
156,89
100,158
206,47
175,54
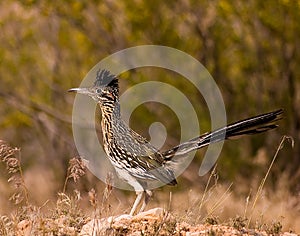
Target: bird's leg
137,201
147,198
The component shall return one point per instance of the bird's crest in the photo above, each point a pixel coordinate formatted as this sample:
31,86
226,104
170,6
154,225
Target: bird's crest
105,78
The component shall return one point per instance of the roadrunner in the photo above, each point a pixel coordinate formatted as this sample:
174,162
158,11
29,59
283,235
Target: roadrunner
134,158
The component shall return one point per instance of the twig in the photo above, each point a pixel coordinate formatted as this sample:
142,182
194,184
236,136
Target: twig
260,188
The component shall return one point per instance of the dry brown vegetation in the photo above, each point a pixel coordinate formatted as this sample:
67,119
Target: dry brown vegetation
215,211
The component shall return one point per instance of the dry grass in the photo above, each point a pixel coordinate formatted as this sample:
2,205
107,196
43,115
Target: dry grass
271,210
267,210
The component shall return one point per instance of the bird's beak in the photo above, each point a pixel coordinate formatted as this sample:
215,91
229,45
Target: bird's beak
80,90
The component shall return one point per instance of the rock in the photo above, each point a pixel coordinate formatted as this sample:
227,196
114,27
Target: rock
24,228
119,223
152,214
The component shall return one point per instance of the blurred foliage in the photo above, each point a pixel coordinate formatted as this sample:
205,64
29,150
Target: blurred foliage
251,48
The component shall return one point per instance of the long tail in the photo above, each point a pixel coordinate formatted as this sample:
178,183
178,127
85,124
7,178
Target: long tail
254,125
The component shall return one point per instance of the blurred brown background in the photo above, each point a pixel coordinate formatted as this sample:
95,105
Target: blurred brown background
250,48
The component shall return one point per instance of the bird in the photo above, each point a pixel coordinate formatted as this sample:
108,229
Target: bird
134,158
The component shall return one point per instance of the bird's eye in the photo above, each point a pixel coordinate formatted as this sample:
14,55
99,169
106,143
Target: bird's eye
98,90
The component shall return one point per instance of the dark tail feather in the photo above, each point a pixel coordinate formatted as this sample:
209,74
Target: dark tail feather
254,125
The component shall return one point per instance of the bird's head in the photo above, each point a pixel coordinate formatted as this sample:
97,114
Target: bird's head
105,88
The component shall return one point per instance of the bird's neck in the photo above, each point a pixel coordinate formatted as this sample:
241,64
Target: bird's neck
111,118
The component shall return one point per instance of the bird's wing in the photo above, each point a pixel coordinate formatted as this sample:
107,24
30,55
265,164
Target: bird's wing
145,160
